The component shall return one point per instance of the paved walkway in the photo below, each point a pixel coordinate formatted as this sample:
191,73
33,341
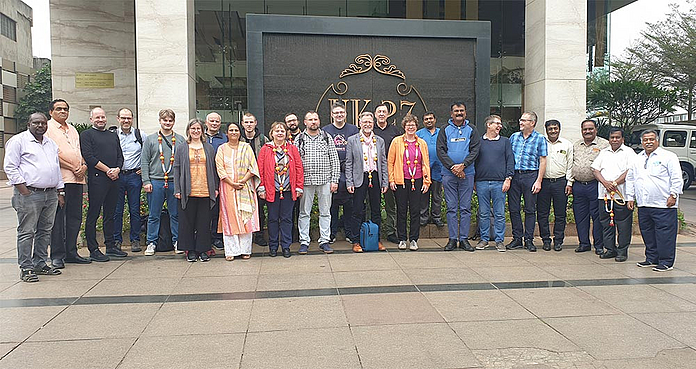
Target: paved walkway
395,309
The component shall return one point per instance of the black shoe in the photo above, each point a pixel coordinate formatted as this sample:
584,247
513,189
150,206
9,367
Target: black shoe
608,255
529,245
332,239
451,245
558,247
439,224
98,256
515,244
621,258
599,251
28,275
218,245
546,246
47,270
203,256
286,253
645,264
58,264
191,256
466,246
273,253
259,239
393,239
583,248
116,253
77,259
135,246
423,224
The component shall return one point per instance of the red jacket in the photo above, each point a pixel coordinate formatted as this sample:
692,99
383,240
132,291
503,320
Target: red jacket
267,170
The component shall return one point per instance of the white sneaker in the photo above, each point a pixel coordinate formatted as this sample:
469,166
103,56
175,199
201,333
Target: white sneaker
150,250
402,245
176,248
414,245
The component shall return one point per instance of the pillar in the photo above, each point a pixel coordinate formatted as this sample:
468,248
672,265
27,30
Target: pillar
555,48
164,41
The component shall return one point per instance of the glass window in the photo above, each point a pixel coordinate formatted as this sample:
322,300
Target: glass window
8,27
692,144
674,139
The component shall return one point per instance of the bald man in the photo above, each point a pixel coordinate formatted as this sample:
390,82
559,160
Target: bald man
101,150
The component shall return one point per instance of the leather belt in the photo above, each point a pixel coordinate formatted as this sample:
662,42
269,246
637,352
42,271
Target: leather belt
594,181
525,171
554,179
36,189
129,171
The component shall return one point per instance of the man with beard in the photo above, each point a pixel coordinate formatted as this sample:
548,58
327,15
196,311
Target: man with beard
102,152
293,130
321,172
654,183
584,185
610,168
530,150
31,165
457,148
340,131
554,186
213,121
73,169
387,132
431,203
256,139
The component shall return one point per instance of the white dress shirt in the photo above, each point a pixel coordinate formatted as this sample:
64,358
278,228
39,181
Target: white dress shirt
612,164
559,161
651,180
32,162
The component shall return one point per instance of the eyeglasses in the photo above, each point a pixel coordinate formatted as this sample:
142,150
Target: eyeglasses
522,120
60,108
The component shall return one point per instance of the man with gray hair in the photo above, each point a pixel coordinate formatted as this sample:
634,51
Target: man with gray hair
213,122
101,150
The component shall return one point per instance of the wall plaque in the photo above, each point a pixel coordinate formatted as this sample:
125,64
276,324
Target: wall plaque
94,80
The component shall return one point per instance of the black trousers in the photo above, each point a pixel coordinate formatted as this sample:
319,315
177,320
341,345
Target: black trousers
521,185
623,221
659,228
103,193
67,224
345,200
194,225
215,236
408,203
552,189
374,194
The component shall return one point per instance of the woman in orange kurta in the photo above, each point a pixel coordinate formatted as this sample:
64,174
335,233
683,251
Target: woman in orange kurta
239,177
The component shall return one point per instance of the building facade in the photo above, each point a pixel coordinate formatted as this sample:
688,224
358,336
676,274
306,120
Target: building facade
190,55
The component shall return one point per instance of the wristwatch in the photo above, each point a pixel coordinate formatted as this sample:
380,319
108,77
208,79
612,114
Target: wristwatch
673,195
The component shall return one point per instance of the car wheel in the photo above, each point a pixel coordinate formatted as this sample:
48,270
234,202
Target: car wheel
687,175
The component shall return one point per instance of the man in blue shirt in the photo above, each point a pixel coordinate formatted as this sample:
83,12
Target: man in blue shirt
431,203
213,123
530,150
131,183
457,149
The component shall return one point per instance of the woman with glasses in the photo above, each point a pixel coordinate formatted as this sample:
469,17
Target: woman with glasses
196,187
239,177
409,176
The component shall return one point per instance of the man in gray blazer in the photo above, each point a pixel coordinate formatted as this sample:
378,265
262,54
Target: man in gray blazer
366,176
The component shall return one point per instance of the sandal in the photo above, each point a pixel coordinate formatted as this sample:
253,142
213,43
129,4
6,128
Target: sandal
246,257
28,275
229,258
47,270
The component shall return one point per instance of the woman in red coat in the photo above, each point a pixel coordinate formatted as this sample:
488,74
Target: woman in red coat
282,181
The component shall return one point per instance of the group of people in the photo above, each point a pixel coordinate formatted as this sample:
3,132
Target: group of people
216,185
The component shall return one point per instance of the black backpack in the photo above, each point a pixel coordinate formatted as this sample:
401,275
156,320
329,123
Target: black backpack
164,242
138,136
299,141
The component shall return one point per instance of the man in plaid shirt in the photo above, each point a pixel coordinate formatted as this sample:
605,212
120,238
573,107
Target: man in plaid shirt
322,169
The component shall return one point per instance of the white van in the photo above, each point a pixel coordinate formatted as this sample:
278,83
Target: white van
677,138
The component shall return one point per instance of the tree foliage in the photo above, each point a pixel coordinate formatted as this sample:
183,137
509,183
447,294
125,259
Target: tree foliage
37,96
667,49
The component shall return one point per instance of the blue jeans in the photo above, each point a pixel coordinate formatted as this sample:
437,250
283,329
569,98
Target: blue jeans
155,200
130,186
487,191
458,194
586,206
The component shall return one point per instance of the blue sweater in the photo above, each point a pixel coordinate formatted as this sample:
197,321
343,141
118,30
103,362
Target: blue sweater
458,145
495,161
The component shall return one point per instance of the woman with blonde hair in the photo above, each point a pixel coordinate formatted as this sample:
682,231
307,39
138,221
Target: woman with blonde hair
409,177
196,187
239,177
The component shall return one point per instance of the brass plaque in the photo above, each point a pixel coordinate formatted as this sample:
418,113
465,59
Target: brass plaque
94,80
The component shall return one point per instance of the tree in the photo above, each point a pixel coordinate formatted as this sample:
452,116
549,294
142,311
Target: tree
38,94
668,50
629,102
